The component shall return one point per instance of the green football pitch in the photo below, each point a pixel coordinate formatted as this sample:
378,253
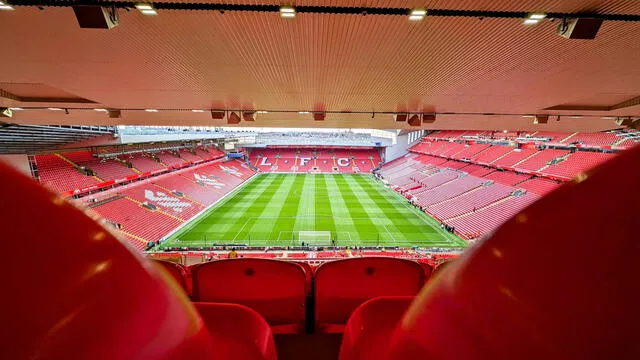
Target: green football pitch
318,209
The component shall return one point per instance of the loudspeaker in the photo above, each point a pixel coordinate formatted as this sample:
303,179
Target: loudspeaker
428,118
96,17
233,119
402,117
414,120
217,115
541,119
623,121
584,28
6,112
318,116
114,114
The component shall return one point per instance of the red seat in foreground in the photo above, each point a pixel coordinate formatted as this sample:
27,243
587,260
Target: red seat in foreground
275,289
370,326
342,285
71,290
557,281
242,330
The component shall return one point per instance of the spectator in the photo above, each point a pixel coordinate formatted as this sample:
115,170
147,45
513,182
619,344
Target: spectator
233,254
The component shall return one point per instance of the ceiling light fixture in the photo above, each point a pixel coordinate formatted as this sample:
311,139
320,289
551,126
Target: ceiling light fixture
608,118
417,14
287,12
146,9
16,109
537,16
54,109
151,110
262,112
303,112
197,111
534,18
101,110
528,116
575,117
5,6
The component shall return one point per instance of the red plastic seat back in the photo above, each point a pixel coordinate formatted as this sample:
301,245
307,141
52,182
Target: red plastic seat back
275,289
557,281
308,272
176,271
342,285
71,290
369,328
242,330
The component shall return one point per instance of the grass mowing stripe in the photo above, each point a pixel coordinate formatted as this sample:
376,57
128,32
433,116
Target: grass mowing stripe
367,229
203,218
263,223
324,213
340,214
223,223
289,210
307,213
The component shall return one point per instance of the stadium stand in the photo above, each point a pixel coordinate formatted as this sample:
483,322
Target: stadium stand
539,186
60,175
444,322
323,160
144,163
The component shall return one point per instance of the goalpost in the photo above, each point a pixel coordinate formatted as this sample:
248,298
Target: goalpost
317,238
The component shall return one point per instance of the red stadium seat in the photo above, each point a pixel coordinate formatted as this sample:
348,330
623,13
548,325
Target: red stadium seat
557,281
341,286
176,271
71,290
275,289
370,326
242,330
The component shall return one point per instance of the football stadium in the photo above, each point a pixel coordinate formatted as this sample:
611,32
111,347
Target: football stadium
320,179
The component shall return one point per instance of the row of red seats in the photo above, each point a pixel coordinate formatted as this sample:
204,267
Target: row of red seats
280,290
59,175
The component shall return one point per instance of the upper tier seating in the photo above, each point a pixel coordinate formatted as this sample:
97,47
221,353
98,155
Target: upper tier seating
594,139
275,289
491,154
169,158
144,163
343,285
513,157
59,175
540,159
105,169
576,163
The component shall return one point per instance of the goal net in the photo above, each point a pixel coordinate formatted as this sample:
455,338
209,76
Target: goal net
318,238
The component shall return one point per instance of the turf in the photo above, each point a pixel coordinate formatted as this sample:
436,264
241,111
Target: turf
270,210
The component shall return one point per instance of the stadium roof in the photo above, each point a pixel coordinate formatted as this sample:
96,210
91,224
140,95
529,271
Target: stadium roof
182,60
